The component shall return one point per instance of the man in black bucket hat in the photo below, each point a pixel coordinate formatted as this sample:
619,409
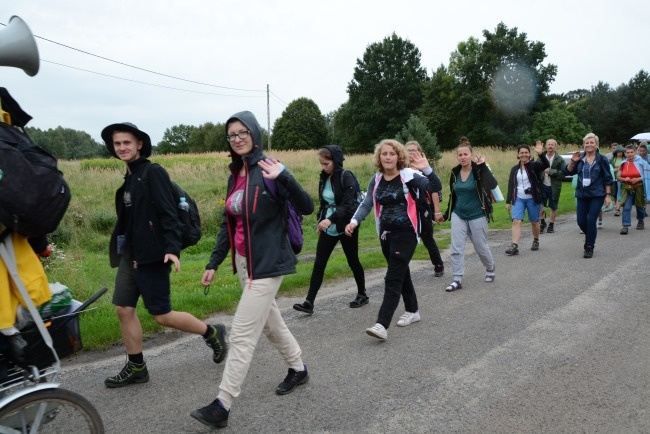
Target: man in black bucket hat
145,243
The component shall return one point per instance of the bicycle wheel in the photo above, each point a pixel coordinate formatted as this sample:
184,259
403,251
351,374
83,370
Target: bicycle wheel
51,411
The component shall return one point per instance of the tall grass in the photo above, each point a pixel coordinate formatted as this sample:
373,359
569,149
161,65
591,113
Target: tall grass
80,258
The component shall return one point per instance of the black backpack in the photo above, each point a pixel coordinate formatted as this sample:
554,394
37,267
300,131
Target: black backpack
33,194
357,187
190,220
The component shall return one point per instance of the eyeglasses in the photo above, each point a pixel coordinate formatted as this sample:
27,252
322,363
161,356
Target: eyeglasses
242,135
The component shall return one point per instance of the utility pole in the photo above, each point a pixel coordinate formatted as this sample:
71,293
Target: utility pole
268,115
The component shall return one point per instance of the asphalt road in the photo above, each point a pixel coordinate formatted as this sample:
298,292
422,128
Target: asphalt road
556,344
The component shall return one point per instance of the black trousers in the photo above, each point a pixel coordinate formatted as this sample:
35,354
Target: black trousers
426,235
324,248
398,249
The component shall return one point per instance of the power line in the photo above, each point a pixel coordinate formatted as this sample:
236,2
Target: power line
146,70
149,84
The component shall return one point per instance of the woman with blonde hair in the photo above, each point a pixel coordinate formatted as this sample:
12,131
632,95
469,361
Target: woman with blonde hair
393,193
592,189
432,211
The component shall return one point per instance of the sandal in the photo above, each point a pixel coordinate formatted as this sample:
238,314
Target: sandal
453,286
361,300
490,277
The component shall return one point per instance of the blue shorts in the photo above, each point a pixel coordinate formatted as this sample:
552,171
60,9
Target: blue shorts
521,205
548,197
151,281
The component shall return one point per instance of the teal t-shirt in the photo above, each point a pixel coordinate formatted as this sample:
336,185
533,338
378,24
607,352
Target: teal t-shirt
328,196
468,204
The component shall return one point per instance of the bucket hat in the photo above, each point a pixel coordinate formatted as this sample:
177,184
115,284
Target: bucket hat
107,136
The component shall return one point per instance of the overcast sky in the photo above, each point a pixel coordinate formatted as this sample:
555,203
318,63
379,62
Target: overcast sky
299,48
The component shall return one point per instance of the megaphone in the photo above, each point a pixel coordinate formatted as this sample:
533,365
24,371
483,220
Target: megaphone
18,47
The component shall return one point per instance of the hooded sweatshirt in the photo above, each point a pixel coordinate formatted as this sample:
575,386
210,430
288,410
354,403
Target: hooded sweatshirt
268,251
344,186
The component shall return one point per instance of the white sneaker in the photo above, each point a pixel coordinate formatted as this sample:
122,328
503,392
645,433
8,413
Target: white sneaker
599,225
408,318
378,331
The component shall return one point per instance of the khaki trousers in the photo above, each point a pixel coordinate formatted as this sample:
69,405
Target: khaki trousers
257,312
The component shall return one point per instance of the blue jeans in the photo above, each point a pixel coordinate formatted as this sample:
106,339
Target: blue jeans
587,210
627,210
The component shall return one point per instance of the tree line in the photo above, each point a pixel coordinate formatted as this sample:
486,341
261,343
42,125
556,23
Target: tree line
494,90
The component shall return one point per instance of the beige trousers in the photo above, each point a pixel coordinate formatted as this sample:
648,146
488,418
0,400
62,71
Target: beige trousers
257,312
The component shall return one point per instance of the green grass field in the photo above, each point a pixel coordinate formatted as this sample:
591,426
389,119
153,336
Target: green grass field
80,259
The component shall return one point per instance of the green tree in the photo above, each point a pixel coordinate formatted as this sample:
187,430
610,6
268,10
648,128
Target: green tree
416,130
558,123
385,90
498,83
439,108
207,138
67,143
175,139
301,126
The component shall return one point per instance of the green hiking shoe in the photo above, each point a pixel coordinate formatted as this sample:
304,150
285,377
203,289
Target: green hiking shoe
217,341
130,374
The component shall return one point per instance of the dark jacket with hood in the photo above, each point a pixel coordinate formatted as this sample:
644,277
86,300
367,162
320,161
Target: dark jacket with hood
485,182
151,223
344,188
268,251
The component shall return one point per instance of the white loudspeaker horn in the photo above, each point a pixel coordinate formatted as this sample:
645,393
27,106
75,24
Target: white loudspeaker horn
18,47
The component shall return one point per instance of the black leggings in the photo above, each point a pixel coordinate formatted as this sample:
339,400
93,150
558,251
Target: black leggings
324,248
429,242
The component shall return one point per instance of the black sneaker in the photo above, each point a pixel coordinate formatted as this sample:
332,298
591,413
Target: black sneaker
131,373
542,226
294,378
306,306
439,271
550,229
589,252
217,341
213,415
361,300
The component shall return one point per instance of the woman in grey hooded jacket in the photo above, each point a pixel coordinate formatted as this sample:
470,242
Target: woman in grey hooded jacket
254,231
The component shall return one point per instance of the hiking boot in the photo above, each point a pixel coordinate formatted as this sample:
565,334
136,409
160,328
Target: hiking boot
439,270
589,252
550,229
131,373
217,341
361,300
213,415
306,306
535,245
512,250
624,230
639,225
378,331
294,378
542,226
408,318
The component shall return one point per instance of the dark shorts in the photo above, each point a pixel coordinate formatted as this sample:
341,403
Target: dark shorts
548,197
150,281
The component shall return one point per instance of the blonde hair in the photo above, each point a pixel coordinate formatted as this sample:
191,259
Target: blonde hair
402,157
589,136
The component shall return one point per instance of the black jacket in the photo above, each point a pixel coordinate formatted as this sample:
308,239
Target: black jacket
532,169
485,182
269,252
344,188
151,227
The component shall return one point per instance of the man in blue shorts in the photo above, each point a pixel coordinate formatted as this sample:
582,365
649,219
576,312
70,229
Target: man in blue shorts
551,179
144,245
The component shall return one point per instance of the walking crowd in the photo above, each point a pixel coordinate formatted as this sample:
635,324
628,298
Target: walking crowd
404,195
